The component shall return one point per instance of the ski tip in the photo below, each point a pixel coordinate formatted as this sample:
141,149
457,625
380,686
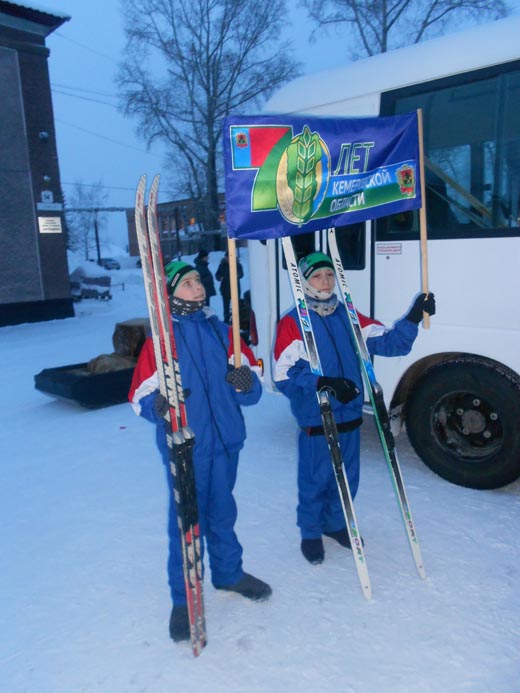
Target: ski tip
422,572
198,646
139,193
141,185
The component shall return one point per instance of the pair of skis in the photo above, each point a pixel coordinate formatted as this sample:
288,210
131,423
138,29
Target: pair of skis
329,425
179,437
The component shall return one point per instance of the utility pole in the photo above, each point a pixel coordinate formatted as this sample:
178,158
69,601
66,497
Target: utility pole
96,226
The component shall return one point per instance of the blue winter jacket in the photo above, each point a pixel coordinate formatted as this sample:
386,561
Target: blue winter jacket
294,378
204,347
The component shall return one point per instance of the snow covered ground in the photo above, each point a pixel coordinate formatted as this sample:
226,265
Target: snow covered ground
84,596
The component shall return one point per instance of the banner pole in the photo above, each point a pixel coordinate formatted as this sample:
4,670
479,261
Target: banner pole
235,315
422,218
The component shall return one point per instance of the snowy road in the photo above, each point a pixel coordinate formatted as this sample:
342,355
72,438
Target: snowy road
85,603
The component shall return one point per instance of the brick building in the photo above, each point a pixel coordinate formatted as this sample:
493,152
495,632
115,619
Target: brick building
34,281
180,232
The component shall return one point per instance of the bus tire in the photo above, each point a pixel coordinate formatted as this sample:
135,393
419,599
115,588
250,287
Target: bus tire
462,421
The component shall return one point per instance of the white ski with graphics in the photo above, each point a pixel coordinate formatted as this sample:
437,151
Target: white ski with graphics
327,416
378,405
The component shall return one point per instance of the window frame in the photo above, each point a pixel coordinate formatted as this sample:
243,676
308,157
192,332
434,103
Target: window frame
388,103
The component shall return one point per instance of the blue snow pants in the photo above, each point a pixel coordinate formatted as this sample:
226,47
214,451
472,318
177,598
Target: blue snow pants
215,476
319,506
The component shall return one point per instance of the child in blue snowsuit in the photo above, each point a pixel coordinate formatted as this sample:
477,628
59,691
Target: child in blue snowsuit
214,394
319,510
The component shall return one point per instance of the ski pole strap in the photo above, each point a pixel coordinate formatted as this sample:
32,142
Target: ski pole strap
343,427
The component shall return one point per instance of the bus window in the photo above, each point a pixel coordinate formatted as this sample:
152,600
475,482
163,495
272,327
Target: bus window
303,245
351,245
472,155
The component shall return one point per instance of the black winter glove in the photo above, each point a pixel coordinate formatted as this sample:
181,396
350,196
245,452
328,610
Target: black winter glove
160,405
423,303
342,389
241,378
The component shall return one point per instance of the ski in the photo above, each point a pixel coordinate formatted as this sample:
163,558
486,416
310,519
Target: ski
179,437
378,405
327,416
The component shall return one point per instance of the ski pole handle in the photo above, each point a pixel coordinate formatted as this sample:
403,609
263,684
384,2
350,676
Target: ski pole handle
235,316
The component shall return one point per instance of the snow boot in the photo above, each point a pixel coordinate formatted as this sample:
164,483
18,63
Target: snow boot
313,550
179,623
250,588
342,537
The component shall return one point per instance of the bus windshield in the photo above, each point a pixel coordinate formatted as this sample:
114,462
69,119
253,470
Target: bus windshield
472,155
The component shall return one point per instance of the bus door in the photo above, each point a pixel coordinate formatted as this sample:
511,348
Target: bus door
354,244
354,247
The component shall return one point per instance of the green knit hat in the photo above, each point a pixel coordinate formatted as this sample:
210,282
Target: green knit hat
175,271
313,262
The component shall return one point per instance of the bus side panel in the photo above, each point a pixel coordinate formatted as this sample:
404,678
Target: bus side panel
477,314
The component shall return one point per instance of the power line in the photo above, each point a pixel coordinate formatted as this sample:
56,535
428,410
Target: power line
109,139
96,185
89,91
84,98
82,45
96,209
111,187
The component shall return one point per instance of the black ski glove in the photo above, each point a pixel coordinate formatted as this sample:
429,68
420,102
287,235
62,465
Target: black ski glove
423,303
241,378
342,389
160,405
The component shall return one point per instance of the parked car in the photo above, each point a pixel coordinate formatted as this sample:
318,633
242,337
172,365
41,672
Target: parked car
109,263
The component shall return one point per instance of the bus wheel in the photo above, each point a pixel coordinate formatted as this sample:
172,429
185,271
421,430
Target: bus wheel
462,420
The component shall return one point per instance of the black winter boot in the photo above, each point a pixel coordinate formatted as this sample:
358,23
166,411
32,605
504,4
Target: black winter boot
342,537
179,623
313,550
250,588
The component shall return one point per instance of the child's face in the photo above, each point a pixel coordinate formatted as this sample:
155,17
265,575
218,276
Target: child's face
323,280
190,288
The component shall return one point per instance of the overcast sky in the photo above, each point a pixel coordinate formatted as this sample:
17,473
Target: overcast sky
94,140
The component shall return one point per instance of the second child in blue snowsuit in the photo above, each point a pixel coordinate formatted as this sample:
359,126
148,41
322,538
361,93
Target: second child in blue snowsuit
319,510
214,395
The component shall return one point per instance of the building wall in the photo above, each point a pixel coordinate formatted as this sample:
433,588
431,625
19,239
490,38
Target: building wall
34,283
44,170
19,255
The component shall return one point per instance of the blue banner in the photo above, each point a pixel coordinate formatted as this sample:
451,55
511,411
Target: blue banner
287,175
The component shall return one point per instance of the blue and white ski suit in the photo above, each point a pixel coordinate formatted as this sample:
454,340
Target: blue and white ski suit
204,346
319,507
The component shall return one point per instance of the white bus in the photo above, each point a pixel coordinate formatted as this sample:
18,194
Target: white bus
458,392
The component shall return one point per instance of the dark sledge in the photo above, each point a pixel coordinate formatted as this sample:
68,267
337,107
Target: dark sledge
91,390
104,380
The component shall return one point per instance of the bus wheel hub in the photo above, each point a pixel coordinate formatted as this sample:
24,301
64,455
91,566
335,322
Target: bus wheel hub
473,422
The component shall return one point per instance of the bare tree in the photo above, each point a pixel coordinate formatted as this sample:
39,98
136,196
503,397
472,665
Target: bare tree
189,63
382,25
81,222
